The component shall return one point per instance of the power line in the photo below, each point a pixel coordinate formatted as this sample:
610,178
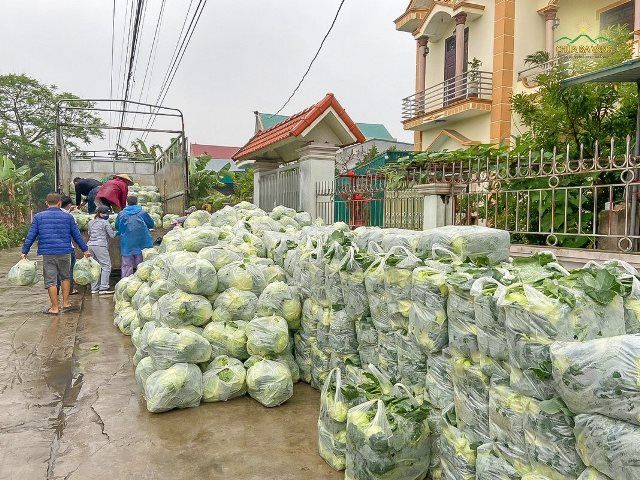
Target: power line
134,45
295,90
173,68
113,38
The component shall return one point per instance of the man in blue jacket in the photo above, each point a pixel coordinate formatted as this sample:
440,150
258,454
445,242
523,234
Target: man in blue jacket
54,230
133,225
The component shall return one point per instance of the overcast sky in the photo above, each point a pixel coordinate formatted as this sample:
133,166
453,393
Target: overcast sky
245,55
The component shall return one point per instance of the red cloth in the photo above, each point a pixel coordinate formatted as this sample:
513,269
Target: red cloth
115,191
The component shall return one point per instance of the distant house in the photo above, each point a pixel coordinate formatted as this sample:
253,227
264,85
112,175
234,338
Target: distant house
220,157
376,135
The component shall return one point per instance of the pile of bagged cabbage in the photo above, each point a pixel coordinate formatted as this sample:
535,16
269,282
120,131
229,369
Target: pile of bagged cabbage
436,355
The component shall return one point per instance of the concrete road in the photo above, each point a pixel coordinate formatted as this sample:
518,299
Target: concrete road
70,408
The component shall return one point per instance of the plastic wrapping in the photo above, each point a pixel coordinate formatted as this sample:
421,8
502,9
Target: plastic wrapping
534,320
319,364
592,474
269,383
181,308
608,445
124,319
197,219
267,336
195,239
332,421
144,269
223,380
172,241
457,452
282,300
243,276
600,376
159,288
507,416
227,338
86,271
388,441
169,345
249,245
333,257
438,384
399,265
490,465
388,353
144,369
225,216
471,398
377,299
179,386
235,304
220,256
490,318
412,363
303,356
194,275
367,338
351,274
342,332
461,322
473,243
23,273
428,315
549,440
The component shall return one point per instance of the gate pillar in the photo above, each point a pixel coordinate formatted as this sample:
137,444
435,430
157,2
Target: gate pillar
438,203
317,164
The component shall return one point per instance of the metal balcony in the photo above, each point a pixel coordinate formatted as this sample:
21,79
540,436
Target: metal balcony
471,85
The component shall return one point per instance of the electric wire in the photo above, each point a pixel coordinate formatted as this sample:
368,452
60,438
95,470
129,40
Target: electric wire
295,90
113,38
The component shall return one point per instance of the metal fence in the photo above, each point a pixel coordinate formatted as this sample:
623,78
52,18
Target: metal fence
365,200
280,187
582,199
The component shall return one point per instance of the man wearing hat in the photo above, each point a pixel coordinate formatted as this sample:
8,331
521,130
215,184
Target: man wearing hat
113,193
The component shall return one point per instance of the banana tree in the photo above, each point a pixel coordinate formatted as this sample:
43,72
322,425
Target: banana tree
15,189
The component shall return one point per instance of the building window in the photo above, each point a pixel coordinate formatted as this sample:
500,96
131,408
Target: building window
620,15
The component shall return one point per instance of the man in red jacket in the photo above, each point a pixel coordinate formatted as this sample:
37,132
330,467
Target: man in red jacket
113,193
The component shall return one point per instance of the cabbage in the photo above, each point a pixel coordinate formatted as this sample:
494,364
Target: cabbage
82,219
303,218
144,368
167,219
180,308
280,211
220,255
274,273
144,270
197,219
235,304
124,319
195,239
23,273
170,345
592,474
194,275
280,299
179,386
243,276
159,288
227,338
127,287
269,383
223,380
225,216
267,336
141,297
172,241
86,271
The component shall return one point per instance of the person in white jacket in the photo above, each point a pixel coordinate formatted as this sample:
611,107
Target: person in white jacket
100,232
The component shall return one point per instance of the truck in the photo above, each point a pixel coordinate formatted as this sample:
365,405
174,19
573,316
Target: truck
168,170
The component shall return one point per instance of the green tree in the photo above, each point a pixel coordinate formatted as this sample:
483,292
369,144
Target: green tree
28,122
204,184
556,114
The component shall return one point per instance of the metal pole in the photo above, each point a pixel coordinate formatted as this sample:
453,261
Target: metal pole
633,227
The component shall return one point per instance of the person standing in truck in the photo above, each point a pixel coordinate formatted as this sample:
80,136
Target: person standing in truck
134,225
85,187
113,193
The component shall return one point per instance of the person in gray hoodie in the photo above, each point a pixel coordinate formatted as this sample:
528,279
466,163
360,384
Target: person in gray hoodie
100,232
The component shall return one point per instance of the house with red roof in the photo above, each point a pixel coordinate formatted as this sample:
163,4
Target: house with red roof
291,156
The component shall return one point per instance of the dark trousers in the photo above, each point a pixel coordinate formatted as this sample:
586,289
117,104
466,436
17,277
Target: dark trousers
91,200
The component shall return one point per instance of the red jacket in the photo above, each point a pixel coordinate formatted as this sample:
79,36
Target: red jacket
115,191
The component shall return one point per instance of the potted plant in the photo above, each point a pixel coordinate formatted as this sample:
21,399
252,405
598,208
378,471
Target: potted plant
474,78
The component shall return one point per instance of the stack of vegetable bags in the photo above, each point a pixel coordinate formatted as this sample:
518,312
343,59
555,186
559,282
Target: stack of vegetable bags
210,315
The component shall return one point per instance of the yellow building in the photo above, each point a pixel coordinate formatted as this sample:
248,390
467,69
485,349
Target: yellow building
470,59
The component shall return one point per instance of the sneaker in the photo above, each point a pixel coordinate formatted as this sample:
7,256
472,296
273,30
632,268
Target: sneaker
106,292
93,292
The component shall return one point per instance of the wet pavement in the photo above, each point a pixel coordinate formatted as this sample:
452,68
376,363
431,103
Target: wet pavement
70,408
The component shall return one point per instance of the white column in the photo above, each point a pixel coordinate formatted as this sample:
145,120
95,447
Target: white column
550,19
460,19
317,164
438,204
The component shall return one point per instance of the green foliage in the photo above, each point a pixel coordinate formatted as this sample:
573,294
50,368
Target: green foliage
11,236
581,114
141,151
370,155
28,122
204,183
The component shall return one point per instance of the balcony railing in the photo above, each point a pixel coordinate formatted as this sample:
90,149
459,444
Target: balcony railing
529,75
468,86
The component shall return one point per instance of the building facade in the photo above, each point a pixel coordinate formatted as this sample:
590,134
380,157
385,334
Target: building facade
470,59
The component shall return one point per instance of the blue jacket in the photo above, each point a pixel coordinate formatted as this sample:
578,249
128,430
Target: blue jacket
54,230
133,224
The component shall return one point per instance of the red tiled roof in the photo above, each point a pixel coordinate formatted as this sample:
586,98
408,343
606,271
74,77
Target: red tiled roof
214,151
296,124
